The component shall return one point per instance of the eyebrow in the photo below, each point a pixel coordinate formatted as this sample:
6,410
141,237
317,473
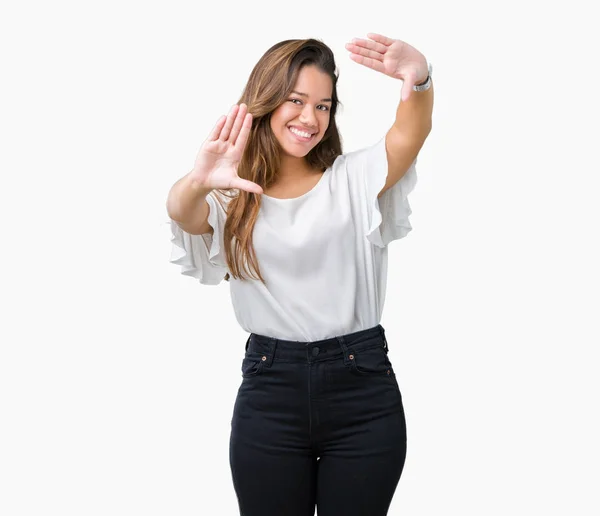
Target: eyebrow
305,95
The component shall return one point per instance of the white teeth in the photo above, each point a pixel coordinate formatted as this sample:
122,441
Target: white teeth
300,133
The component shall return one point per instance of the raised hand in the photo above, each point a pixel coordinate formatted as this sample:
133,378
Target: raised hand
392,57
219,157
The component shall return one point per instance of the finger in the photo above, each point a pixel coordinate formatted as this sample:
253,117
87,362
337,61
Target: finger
380,39
230,118
237,125
240,143
368,62
370,45
248,186
355,49
214,134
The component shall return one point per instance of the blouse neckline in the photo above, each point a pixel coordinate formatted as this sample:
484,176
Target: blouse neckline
303,196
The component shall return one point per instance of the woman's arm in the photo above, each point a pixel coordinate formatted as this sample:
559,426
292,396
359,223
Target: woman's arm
413,116
408,134
399,60
187,206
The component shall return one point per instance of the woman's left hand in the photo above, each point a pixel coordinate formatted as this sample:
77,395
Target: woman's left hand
392,57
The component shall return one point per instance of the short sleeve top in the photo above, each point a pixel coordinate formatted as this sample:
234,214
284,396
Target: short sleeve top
323,255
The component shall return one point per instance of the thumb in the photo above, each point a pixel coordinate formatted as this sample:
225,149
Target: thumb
247,186
407,87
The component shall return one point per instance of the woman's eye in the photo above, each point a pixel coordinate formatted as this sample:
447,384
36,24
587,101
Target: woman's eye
321,106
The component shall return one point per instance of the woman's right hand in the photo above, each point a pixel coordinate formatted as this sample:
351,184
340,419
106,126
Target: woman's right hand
219,157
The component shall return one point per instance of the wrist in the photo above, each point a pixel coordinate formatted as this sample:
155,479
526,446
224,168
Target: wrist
197,186
422,80
424,73
424,84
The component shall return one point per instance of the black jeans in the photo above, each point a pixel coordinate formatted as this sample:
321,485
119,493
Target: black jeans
318,423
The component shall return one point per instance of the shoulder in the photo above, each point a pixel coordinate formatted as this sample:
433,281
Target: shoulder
361,156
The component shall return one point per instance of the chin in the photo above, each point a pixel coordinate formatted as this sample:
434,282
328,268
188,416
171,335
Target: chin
296,153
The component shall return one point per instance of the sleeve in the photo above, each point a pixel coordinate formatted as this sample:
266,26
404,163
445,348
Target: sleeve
386,218
201,256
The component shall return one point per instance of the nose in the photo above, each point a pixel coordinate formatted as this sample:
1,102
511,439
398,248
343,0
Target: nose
307,117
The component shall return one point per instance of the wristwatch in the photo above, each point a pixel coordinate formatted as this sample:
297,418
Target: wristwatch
427,84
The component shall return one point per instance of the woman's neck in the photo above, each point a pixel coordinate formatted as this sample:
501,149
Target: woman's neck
292,168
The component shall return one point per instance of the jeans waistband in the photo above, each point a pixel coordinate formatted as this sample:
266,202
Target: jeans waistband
298,351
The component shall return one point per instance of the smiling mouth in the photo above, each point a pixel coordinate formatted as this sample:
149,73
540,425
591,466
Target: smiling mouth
301,138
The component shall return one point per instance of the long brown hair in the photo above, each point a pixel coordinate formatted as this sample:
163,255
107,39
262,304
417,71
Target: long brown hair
271,82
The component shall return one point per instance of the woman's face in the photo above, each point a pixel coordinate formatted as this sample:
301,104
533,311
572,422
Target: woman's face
305,112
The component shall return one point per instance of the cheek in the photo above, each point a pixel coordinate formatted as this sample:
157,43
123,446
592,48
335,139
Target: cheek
324,122
285,115
276,120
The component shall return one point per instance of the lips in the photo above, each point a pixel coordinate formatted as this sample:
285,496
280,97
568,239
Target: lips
301,138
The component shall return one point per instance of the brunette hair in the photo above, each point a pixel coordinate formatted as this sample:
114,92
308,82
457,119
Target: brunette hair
271,82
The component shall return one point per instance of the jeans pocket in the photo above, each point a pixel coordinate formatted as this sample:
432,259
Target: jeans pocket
252,364
370,362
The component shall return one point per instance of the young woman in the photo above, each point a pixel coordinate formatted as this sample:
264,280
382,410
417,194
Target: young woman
300,231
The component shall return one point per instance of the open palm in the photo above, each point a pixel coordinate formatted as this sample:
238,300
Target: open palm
219,157
392,57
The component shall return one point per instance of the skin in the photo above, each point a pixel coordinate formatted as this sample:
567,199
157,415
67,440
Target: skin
309,113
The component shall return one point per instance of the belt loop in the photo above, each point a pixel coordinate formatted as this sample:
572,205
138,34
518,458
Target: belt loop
271,354
382,331
340,340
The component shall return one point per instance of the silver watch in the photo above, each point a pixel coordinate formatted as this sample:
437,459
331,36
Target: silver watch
427,84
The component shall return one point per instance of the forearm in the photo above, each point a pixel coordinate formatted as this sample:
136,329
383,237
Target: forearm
413,116
185,202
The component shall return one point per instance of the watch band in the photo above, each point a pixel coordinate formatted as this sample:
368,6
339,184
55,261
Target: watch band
427,84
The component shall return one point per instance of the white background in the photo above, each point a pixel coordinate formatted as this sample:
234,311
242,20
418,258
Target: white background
118,374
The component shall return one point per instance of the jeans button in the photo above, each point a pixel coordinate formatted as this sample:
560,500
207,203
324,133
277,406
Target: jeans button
315,351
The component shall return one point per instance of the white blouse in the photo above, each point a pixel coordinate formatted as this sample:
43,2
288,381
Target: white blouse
323,255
